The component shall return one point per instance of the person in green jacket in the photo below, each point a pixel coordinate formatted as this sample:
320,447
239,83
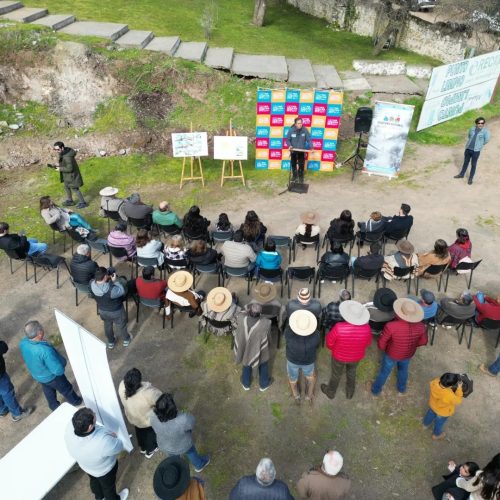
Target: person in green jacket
70,174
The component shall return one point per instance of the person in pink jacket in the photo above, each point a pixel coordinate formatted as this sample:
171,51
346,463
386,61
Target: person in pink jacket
121,239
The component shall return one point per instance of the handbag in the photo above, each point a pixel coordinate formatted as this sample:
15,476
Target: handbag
467,385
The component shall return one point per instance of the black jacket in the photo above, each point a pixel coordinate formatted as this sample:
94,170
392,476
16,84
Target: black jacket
209,257
3,350
398,223
247,488
301,350
14,242
369,262
82,269
335,259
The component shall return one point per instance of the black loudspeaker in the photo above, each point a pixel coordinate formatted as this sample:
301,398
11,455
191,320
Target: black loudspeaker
363,120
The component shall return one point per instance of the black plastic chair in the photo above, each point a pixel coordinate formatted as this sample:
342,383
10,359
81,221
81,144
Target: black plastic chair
119,253
462,266
308,241
236,272
55,229
368,238
79,287
48,263
172,265
199,269
147,261
303,273
448,320
99,246
404,274
282,242
488,325
75,237
436,271
223,325
331,273
112,216
221,236
364,274
144,223
192,236
272,275
395,237
175,307
169,230
343,240
152,303
21,257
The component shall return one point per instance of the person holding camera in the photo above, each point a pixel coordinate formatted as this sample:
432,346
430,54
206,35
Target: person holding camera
446,393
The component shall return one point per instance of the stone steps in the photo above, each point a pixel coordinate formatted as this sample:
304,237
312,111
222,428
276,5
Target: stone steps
55,21
135,39
8,6
25,14
300,72
166,44
111,31
270,67
191,51
327,77
219,58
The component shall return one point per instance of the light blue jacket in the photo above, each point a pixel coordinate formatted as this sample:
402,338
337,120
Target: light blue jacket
42,360
268,260
483,136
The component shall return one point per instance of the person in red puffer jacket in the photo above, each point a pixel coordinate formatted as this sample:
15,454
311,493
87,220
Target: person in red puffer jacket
348,341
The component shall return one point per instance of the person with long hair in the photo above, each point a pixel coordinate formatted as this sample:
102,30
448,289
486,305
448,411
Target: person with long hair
138,398
308,226
461,250
447,489
175,250
436,257
195,225
486,485
149,248
341,227
223,224
254,232
61,217
174,431
200,253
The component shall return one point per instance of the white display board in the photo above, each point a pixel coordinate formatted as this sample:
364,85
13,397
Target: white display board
228,147
459,87
88,358
35,465
188,144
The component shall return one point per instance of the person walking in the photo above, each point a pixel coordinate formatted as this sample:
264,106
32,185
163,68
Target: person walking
477,137
46,365
70,174
95,448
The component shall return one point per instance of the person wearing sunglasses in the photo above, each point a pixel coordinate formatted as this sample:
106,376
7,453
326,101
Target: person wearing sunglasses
478,136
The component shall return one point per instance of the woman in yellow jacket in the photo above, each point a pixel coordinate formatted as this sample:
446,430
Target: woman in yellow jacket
446,393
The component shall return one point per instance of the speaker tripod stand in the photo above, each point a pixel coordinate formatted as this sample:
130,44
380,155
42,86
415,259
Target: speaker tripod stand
355,161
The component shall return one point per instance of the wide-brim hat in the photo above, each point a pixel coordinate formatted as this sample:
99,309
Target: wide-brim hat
264,292
171,478
219,299
309,217
354,312
180,281
404,246
384,299
108,191
303,322
408,310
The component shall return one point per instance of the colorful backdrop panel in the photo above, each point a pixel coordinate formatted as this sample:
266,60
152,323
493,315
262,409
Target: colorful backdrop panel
320,111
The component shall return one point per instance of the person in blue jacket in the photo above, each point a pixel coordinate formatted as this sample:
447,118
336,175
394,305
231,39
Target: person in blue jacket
268,258
46,366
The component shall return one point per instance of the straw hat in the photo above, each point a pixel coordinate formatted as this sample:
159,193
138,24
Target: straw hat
219,299
171,478
354,312
180,281
309,218
264,292
108,191
303,322
409,310
404,246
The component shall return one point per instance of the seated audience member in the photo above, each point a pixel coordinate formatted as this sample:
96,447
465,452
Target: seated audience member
374,224
486,483
19,243
461,308
135,208
486,307
265,294
335,257
428,303
381,309
119,238
237,253
110,203
200,253
325,482
179,292
219,306
308,226
371,262
466,471
401,222
223,224
165,217
461,250
341,228
195,225
303,301
148,248
437,257
268,258
174,250
82,266
61,217
331,313
254,231
148,287
405,257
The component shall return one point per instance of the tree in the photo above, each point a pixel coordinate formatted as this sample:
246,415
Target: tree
259,12
394,14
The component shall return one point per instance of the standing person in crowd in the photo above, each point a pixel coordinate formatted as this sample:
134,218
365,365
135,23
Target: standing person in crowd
175,251
220,306
174,431
403,221
298,138
348,341
477,137
302,341
95,449
8,400
70,174
268,258
325,482
109,293
111,203
148,287
461,250
149,248
404,258
223,224
254,231
165,217
446,393
136,209
486,484
46,366
308,225
262,486
251,346
179,292
138,398
237,253
19,242
448,487
201,254
331,312
399,342
82,267
486,307
119,238
381,309
437,257
194,225
341,228
427,302
461,308
303,301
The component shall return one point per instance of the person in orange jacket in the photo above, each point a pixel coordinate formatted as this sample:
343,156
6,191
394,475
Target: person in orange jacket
446,393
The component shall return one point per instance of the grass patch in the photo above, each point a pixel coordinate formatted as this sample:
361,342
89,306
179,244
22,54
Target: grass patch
24,37
114,115
36,118
277,412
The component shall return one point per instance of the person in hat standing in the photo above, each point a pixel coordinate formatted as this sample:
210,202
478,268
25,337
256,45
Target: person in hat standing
111,203
303,301
172,481
251,346
347,341
265,294
219,306
308,226
179,293
428,303
404,258
302,341
399,342
325,482
381,309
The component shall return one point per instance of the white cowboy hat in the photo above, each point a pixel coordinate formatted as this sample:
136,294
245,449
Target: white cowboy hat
180,281
409,310
108,191
354,312
303,322
219,299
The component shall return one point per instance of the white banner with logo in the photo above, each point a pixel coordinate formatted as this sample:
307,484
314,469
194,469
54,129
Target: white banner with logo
459,87
387,140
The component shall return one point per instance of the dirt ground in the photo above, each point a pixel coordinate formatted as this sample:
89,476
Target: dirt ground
386,452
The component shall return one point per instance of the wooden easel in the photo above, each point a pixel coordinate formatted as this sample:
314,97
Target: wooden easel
192,162
231,132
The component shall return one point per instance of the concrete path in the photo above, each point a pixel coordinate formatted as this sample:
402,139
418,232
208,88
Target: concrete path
395,84
25,14
354,81
7,6
55,21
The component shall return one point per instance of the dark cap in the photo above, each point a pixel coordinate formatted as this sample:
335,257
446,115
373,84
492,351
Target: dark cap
427,296
384,299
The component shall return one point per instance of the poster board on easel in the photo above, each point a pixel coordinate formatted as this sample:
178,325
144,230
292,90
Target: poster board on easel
192,145
231,148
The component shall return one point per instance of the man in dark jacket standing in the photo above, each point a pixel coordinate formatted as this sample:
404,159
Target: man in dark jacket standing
70,174
263,485
82,267
298,138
